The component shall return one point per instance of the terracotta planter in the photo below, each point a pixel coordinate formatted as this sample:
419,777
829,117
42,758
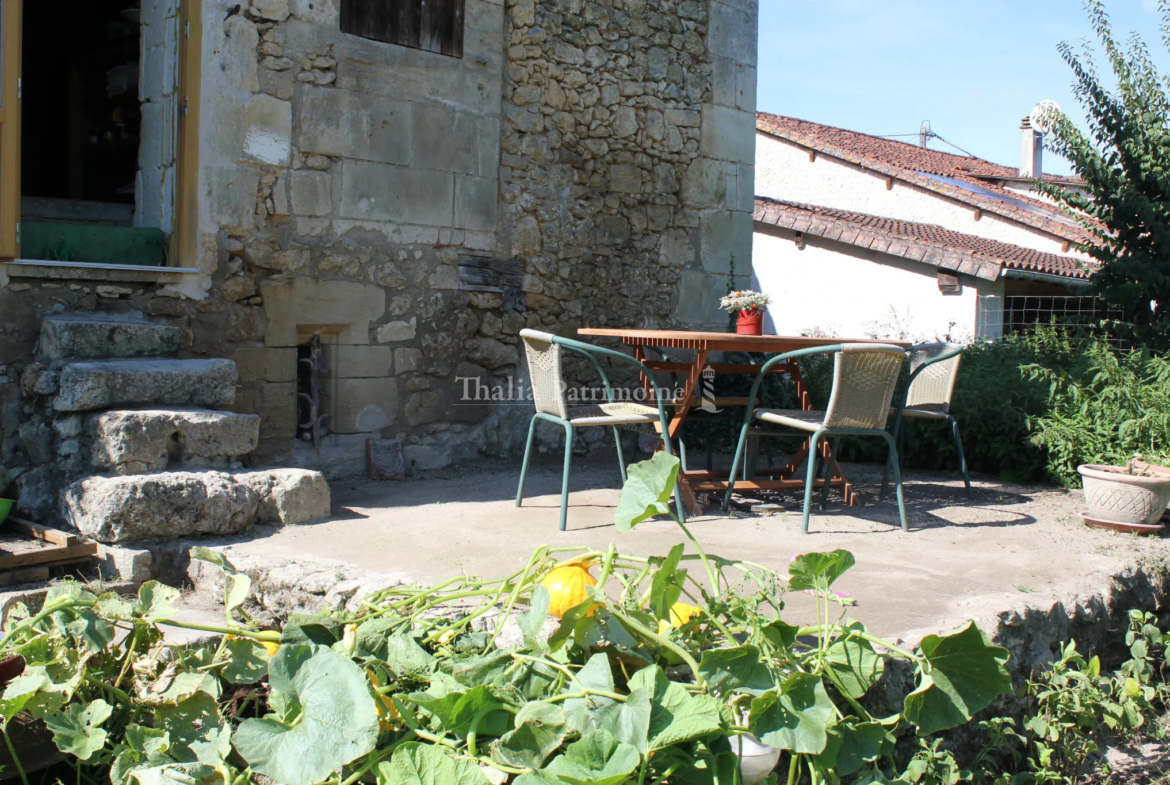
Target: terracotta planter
1113,495
750,322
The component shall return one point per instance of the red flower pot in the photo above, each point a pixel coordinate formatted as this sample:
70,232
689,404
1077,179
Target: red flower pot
750,322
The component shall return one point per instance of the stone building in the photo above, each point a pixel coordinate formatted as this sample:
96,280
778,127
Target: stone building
411,193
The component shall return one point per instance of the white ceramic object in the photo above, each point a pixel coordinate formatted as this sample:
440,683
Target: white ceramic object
1113,495
757,761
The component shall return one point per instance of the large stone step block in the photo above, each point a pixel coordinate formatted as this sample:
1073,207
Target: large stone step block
164,505
104,384
170,505
138,441
93,336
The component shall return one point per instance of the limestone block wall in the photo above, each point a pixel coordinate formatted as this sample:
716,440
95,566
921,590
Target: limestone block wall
606,145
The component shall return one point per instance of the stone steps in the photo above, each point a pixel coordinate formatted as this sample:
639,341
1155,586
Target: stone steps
138,441
104,384
169,505
92,336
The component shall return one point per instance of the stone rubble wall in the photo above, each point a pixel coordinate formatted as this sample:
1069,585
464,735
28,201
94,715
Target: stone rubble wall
608,145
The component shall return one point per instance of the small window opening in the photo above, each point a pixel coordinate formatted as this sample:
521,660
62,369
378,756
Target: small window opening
311,415
430,25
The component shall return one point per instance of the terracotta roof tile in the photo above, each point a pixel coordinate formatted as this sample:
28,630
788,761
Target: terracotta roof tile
966,179
919,241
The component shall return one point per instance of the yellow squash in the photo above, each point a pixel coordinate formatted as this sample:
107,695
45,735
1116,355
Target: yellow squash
568,586
680,614
272,648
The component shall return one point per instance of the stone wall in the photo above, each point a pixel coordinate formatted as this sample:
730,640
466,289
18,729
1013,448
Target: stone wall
608,145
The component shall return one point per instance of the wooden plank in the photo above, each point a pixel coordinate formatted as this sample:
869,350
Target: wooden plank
45,556
36,531
28,575
431,25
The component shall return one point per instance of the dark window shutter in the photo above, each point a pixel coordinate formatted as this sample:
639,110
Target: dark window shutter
430,25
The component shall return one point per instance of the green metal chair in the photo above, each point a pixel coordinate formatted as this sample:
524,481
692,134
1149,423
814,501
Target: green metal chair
544,352
865,376
928,396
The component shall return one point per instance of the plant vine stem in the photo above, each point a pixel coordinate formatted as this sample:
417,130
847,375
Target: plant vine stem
479,715
712,574
793,768
848,698
537,556
803,631
268,636
374,759
15,757
129,656
585,693
606,568
661,641
119,694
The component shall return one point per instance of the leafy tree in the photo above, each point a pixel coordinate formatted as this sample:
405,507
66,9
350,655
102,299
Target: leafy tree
1125,163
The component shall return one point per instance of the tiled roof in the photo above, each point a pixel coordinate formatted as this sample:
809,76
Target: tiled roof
973,181
948,250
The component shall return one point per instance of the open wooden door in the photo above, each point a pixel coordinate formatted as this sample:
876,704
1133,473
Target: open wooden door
10,35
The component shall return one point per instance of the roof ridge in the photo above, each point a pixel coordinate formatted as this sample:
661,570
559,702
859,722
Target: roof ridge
880,138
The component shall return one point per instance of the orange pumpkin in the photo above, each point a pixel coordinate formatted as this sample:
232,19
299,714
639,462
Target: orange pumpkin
568,586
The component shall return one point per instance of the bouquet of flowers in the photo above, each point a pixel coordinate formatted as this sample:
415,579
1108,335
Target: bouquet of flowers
744,301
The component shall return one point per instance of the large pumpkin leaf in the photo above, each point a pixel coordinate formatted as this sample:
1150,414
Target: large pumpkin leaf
626,721
236,585
818,571
676,716
427,764
666,585
854,663
740,668
532,621
456,710
966,673
540,729
796,718
193,720
647,491
77,729
248,664
337,722
177,774
852,744
157,601
596,759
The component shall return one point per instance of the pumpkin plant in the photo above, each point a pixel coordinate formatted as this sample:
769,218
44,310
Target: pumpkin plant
653,667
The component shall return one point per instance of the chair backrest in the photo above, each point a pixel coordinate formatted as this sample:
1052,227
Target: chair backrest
544,366
934,388
864,378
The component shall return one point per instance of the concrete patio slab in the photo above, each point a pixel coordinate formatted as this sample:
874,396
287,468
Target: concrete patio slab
1010,549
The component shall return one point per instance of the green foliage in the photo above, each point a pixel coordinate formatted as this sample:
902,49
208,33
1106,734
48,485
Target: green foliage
413,689
1125,163
1111,408
1074,707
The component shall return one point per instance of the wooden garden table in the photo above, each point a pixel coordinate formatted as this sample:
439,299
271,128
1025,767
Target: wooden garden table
703,344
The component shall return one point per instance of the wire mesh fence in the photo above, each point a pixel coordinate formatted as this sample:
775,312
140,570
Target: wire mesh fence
1081,316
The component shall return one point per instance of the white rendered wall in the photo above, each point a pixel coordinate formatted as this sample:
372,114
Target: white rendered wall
829,288
783,171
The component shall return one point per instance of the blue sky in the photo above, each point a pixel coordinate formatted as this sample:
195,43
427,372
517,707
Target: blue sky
973,68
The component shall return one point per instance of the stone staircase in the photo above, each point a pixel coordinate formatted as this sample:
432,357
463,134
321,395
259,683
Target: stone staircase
130,444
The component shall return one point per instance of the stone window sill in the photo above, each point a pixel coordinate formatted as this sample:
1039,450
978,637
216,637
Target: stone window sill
88,271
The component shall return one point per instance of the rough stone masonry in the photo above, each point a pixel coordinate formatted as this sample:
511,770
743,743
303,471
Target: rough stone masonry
606,146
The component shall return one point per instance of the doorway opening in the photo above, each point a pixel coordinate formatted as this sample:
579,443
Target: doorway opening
97,130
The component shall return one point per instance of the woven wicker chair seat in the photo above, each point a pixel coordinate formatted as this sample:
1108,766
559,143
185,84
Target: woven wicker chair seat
612,414
923,413
793,418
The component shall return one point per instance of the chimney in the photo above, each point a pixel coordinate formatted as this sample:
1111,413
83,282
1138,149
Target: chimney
1031,150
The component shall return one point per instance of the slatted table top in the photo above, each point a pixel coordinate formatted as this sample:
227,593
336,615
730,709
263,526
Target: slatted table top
722,342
